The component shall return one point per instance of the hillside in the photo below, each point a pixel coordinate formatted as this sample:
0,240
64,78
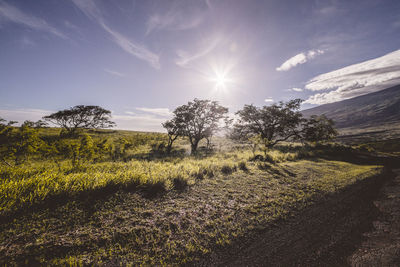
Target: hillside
370,110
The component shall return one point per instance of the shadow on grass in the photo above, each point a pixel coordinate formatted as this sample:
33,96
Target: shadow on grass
86,198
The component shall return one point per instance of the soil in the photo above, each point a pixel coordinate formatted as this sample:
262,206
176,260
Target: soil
381,246
327,233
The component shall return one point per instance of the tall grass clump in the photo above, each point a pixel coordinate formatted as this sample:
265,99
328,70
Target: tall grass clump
23,186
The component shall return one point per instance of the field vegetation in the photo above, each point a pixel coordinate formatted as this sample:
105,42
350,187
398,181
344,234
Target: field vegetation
94,196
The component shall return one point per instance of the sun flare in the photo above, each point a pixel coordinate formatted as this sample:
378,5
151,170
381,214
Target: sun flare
220,78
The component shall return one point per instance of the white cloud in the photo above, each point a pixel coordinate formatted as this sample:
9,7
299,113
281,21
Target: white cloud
296,89
134,49
184,58
135,122
115,73
299,59
89,8
269,99
173,21
22,115
181,15
164,112
13,14
355,80
132,121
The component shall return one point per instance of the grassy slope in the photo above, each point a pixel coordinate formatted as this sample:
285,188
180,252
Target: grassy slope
178,227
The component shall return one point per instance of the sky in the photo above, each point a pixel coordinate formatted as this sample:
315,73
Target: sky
142,59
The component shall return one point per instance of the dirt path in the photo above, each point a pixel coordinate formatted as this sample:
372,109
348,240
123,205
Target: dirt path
382,244
321,235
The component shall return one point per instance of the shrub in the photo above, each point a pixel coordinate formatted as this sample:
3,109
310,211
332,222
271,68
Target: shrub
179,183
228,169
242,166
257,158
269,158
263,166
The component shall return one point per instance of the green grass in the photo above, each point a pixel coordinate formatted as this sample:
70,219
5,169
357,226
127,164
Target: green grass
178,227
23,186
148,209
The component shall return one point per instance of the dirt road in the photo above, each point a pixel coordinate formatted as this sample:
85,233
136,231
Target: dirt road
382,245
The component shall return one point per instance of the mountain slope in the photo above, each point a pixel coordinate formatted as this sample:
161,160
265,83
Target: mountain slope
371,110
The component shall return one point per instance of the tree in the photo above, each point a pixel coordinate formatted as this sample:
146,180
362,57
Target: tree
25,142
81,116
36,124
174,130
198,119
318,129
269,124
6,140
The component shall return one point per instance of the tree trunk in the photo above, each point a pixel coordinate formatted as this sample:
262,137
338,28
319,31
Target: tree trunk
169,148
194,147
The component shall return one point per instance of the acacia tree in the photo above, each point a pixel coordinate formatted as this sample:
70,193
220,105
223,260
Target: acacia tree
198,119
270,124
81,116
317,129
174,130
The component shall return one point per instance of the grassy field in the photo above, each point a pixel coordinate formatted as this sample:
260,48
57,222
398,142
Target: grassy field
150,209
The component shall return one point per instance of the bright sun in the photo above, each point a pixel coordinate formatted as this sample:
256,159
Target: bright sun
220,79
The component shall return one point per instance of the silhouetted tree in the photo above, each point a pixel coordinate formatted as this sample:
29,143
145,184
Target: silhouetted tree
81,117
174,130
199,119
36,124
269,124
318,129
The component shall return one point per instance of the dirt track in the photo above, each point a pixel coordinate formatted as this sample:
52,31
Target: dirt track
321,235
382,245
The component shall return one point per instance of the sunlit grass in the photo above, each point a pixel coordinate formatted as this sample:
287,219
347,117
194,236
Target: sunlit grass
25,185
221,206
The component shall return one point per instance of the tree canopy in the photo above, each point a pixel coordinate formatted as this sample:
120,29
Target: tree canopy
272,124
81,116
196,120
318,128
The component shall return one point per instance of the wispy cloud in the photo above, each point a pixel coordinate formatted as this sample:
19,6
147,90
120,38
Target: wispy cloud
134,49
27,42
355,80
130,121
299,59
295,89
90,9
13,14
115,73
136,122
163,112
181,15
184,58
269,100
173,20
21,115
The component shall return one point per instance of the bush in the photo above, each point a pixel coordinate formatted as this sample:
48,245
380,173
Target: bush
269,158
179,183
263,166
228,169
257,158
242,166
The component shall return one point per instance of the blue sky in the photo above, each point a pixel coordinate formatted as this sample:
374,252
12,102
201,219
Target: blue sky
141,59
